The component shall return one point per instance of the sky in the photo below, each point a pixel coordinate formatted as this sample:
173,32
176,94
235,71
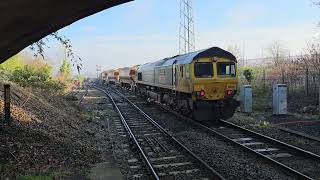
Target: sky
147,30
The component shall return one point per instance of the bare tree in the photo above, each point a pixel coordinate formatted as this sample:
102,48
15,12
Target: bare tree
39,49
311,61
236,51
278,54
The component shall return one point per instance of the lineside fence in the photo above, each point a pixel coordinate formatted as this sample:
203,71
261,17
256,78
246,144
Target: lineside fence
302,80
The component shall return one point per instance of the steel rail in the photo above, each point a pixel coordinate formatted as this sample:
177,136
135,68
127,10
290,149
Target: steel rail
299,134
299,150
286,168
281,165
84,95
214,172
123,120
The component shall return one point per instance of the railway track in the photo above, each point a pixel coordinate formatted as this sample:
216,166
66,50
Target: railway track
164,156
77,92
83,96
295,161
300,163
299,134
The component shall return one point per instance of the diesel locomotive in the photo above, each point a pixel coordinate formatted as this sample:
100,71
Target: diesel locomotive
201,84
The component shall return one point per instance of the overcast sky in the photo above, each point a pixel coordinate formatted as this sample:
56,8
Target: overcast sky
147,30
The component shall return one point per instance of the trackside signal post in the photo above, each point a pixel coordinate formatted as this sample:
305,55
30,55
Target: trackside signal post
7,100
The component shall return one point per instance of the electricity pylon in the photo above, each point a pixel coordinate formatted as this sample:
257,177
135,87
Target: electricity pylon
186,30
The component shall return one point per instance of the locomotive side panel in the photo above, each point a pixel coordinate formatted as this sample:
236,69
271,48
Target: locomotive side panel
182,77
164,77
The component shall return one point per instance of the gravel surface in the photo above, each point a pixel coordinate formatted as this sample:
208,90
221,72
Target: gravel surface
160,146
273,132
119,145
312,129
301,162
232,162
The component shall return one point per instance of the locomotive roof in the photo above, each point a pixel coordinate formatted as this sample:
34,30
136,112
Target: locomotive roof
189,57
210,52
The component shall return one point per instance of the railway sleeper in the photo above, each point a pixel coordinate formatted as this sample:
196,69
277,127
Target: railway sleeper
252,143
242,139
144,132
266,150
152,149
165,158
173,165
174,173
133,126
174,159
279,155
138,176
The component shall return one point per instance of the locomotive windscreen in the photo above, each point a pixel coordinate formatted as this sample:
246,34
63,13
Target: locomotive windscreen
203,70
226,69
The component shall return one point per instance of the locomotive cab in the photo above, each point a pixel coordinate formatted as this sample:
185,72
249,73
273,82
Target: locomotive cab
214,87
213,80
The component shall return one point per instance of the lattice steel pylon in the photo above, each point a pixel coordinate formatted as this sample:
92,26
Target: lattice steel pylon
186,30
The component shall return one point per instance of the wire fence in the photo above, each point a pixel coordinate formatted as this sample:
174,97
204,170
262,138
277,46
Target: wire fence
302,82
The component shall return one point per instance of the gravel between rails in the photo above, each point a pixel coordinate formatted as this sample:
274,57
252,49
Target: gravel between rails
119,145
232,162
182,166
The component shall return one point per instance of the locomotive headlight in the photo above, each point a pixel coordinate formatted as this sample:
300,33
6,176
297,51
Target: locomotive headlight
229,92
200,93
215,59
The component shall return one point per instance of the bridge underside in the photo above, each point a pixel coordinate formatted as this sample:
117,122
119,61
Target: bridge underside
23,22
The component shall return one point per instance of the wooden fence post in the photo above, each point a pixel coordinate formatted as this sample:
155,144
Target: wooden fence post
7,100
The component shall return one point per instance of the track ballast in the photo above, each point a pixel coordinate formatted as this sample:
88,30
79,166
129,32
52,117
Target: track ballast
163,155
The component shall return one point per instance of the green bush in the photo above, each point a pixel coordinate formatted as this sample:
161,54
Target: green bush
38,77
249,75
12,63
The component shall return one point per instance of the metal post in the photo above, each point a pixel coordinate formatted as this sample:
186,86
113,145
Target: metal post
319,90
264,79
307,82
246,99
279,99
7,113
